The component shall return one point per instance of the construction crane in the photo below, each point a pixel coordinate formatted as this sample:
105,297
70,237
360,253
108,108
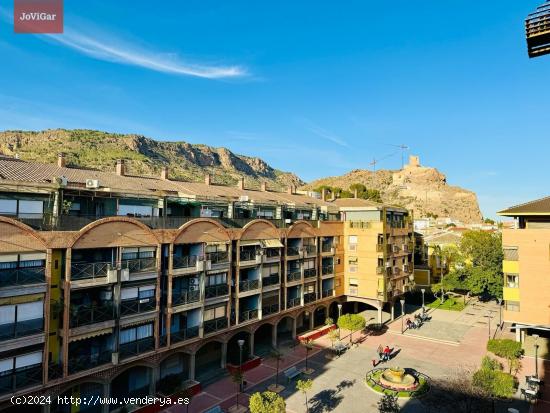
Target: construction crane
537,31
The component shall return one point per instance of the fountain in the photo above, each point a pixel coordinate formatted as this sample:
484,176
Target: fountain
396,378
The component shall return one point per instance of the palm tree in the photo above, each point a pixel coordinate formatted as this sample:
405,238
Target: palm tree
304,386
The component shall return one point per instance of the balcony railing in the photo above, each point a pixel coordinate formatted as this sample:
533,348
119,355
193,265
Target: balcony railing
218,257
248,315
55,371
88,361
310,272
293,302
292,251
270,309
21,329
310,249
137,305
270,280
213,291
248,285
185,334
310,297
327,247
249,255
136,347
83,314
272,253
328,293
211,326
14,380
328,269
21,276
186,297
138,265
87,270
186,261
294,276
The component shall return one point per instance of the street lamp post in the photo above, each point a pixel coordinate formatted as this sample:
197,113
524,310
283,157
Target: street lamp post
500,313
536,355
423,290
489,323
402,301
241,344
339,315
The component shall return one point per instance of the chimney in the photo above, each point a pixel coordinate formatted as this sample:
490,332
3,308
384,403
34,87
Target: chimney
324,194
208,179
164,173
291,189
355,193
240,184
263,187
61,161
120,167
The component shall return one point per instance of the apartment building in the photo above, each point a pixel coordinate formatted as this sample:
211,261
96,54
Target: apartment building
120,285
537,31
526,267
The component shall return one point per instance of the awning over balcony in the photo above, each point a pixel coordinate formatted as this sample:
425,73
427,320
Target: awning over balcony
91,334
271,243
246,242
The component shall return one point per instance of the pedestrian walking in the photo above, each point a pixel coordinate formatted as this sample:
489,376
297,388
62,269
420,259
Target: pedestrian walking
387,353
380,351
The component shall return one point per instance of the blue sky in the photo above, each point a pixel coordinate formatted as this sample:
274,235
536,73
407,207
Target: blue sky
314,87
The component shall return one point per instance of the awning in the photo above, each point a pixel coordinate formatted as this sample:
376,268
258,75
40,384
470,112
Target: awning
271,243
352,259
21,299
138,322
249,242
91,334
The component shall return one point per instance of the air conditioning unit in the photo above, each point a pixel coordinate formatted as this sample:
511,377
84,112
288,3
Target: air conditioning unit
92,183
125,274
243,198
111,275
60,180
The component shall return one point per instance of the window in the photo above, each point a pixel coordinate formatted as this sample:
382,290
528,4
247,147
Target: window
352,239
216,279
511,305
31,207
309,264
137,210
10,314
147,291
19,362
353,268
512,280
213,313
353,281
8,206
511,253
129,335
138,252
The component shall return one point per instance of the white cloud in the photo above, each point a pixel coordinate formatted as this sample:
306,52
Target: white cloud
325,134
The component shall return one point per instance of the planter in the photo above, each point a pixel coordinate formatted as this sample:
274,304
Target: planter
315,334
247,365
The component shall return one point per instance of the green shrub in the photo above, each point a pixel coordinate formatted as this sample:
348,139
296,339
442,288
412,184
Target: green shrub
266,402
506,348
488,363
495,383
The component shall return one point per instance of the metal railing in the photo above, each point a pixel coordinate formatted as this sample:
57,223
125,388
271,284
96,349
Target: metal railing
270,280
21,276
21,329
218,257
328,293
249,254
294,276
137,305
327,247
328,269
218,290
272,252
248,315
248,285
136,347
138,265
293,302
186,297
292,251
185,334
270,309
211,326
89,314
310,249
87,270
310,272
88,361
14,380
309,297
55,370
187,261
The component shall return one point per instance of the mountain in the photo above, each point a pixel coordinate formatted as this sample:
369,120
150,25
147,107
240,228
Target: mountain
146,156
420,188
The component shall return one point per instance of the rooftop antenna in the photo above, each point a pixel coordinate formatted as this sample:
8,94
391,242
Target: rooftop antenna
373,164
403,149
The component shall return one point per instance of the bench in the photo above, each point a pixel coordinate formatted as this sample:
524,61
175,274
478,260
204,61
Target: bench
215,409
291,373
339,348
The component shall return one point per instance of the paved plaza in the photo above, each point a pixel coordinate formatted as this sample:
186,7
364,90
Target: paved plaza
443,347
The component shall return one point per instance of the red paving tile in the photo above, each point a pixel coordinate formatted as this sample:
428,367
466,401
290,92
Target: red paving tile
243,400
199,403
258,374
222,388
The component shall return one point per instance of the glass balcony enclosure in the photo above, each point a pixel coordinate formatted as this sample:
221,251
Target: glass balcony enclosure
22,268
21,320
93,305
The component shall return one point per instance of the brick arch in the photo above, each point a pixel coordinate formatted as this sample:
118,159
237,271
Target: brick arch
259,229
272,322
168,354
18,237
139,363
90,379
114,232
301,229
202,230
194,348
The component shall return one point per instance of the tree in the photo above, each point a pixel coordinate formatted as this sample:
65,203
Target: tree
308,346
304,386
237,377
277,356
266,402
351,322
333,335
483,249
508,349
388,404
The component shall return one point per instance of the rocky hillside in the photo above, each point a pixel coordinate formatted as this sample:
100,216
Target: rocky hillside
99,150
423,189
